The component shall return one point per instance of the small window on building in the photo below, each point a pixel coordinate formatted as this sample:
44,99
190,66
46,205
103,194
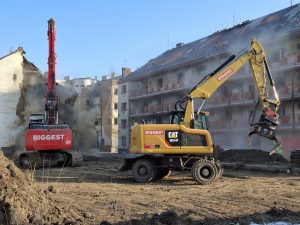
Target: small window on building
160,83
96,122
123,91
123,124
14,77
281,53
159,102
115,91
298,46
82,85
180,77
123,106
115,106
115,121
76,86
123,141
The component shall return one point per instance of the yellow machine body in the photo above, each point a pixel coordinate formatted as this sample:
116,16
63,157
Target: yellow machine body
169,139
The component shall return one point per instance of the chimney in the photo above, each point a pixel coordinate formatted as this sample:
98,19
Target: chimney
179,44
125,71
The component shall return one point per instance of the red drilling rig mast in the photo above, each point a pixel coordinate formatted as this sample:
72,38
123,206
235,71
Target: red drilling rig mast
47,141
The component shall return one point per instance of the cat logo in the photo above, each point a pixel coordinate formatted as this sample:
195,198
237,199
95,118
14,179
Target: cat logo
173,134
173,137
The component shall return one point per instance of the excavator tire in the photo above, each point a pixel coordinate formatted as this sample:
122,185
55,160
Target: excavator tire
24,161
295,158
144,171
219,167
162,172
204,171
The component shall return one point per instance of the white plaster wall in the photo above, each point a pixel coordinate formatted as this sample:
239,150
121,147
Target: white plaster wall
9,96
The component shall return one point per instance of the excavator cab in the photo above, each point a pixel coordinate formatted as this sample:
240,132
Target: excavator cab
200,121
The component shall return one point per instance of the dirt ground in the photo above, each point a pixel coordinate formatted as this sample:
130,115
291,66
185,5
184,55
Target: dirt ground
102,195
97,193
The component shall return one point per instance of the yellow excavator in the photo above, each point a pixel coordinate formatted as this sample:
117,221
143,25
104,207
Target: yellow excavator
186,143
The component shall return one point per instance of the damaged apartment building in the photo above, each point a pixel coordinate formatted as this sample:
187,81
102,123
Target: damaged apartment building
17,74
95,113
154,88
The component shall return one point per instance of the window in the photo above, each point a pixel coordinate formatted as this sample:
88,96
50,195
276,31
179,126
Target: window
159,102
76,86
160,83
115,91
123,106
123,141
298,46
281,53
82,85
15,77
115,106
123,124
298,105
123,90
180,77
115,121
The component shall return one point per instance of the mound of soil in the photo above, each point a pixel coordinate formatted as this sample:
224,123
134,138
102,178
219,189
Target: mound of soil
21,202
249,156
173,218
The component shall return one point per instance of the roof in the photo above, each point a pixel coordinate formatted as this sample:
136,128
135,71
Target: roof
22,52
19,49
232,39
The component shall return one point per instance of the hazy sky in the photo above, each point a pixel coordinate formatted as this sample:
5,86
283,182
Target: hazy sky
96,37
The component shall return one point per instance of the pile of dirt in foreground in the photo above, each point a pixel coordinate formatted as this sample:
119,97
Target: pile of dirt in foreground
249,156
172,218
22,203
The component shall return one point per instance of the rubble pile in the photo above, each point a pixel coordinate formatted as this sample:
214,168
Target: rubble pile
249,156
21,202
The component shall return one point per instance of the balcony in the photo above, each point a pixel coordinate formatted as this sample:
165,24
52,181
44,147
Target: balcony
219,124
284,91
297,120
297,89
155,90
286,121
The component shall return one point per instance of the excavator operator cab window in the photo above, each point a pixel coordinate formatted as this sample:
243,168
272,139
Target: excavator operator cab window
176,117
200,121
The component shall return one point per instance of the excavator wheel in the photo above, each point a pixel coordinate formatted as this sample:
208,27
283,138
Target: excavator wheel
219,167
24,161
162,172
144,171
204,171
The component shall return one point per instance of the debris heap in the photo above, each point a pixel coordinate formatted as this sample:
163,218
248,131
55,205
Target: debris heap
21,202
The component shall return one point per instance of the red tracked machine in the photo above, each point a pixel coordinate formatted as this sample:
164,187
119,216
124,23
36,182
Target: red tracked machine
47,141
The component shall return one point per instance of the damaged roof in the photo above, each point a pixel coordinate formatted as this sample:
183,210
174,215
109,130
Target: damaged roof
22,52
280,22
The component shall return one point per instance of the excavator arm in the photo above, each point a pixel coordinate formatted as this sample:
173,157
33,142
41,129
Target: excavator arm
255,55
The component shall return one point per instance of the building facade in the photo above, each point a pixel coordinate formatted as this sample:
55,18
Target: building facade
107,121
16,75
123,112
155,87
